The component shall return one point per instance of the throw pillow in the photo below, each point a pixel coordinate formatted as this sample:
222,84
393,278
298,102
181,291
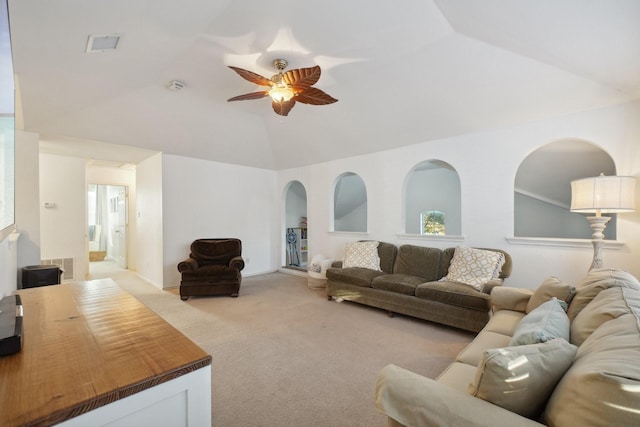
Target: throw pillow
551,287
362,254
474,267
521,379
545,323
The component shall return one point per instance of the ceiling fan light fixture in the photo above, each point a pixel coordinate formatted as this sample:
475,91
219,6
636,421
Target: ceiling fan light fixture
281,93
285,89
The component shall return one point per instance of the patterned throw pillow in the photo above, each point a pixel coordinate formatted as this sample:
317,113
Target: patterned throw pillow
361,254
474,267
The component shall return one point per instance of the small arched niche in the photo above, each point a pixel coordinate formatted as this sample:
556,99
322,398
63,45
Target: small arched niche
350,204
542,190
432,199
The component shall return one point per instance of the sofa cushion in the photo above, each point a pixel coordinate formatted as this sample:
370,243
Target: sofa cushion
504,322
353,276
546,322
361,254
399,283
472,354
522,378
608,304
596,281
602,387
458,375
474,267
212,273
454,293
550,288
418,261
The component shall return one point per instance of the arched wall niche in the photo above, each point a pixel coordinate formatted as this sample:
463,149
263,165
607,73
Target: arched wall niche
349,203
432,191
295,204
542,189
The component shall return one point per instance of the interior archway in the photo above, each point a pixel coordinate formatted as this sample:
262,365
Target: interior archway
295,222
542,190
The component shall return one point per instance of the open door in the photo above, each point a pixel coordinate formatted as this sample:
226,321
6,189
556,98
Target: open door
107,213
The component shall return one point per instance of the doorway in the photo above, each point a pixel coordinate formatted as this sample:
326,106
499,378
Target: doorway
108,226
295,235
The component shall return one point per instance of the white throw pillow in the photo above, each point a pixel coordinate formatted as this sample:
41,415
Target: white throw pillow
362,254
474,267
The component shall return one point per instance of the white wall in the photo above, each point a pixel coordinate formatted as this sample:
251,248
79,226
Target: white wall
63,227
355,219
487,164
205,199
27,199
149,219
8,265
537,218
26,251
127,178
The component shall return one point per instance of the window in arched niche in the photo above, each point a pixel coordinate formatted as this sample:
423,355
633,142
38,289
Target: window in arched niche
432,185
542,190
432,222
350,204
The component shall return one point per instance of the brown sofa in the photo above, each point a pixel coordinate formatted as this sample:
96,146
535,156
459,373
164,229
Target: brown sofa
409,283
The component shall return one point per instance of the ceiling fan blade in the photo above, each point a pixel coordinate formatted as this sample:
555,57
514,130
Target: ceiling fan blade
283,108
247,96
315,96
302,78
252,77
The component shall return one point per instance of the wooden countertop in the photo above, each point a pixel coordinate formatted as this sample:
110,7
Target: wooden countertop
86,345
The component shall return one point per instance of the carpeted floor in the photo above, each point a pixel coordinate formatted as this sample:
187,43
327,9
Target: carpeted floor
285,356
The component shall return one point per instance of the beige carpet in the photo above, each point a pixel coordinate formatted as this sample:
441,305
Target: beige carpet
285,356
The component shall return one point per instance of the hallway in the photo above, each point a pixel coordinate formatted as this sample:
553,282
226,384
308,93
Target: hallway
104,269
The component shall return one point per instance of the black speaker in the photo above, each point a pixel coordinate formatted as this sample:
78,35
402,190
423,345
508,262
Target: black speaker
40,275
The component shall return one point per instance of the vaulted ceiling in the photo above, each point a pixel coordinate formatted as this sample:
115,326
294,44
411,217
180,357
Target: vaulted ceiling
403,72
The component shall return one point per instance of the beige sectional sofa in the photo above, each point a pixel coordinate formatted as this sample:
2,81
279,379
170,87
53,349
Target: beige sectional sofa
591,380
412,280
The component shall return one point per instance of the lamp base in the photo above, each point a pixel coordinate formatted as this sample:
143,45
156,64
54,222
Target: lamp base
597,256
598,224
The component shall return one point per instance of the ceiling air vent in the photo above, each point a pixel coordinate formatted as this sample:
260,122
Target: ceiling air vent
102,43
175,85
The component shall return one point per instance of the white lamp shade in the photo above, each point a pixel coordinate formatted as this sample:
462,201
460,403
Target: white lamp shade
604,194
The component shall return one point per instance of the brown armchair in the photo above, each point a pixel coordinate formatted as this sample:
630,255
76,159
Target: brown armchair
213,268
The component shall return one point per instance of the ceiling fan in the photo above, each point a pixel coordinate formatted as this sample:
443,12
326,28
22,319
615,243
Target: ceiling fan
286,88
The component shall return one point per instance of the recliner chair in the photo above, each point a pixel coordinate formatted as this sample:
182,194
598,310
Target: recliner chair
213,268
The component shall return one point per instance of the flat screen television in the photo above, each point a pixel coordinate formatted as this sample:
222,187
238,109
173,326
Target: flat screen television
7,127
